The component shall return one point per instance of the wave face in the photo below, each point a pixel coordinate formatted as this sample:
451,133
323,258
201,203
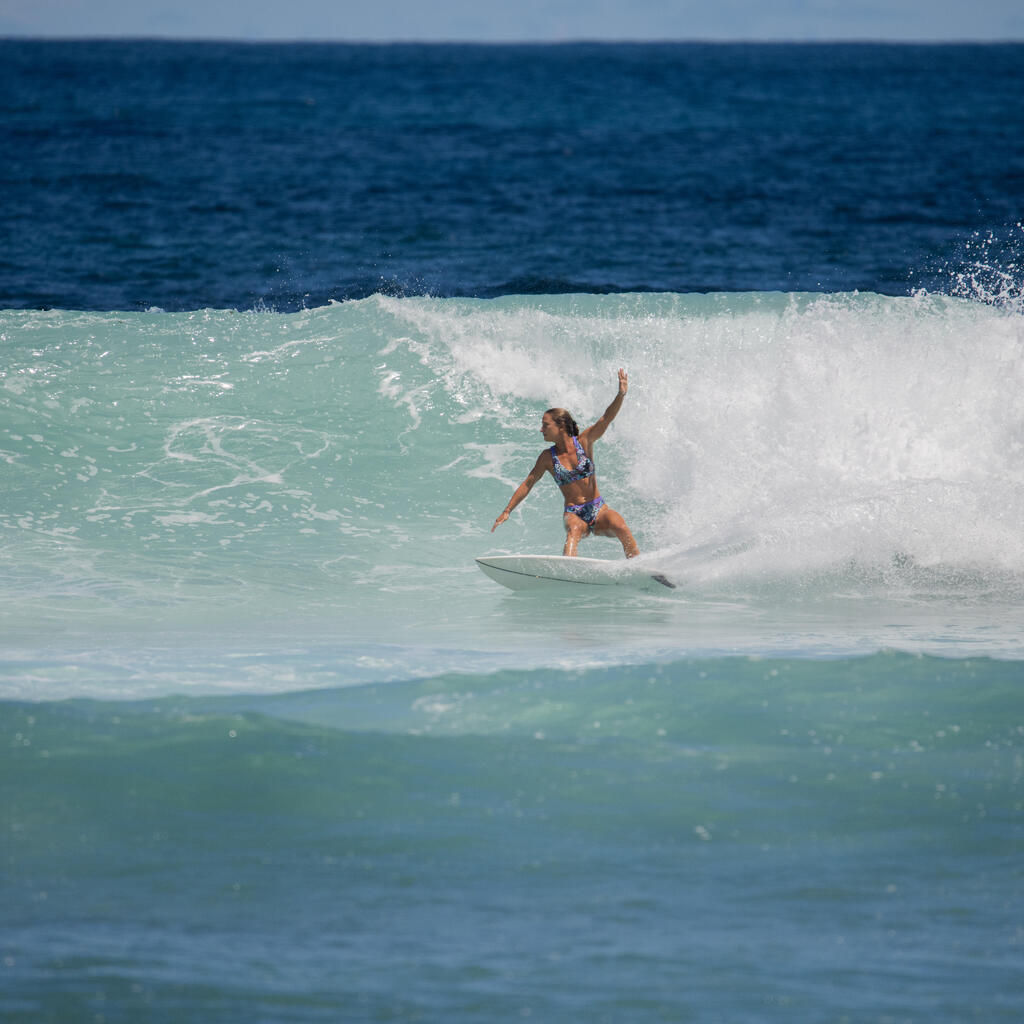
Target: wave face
337,469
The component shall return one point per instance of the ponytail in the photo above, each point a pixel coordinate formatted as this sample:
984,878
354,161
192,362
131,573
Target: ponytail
564,421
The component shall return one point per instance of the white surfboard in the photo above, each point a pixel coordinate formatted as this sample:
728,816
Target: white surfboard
526,572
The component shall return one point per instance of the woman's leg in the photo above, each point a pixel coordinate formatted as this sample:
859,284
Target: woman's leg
611,524
575,528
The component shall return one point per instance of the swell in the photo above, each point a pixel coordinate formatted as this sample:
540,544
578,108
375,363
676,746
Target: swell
912,731
233,856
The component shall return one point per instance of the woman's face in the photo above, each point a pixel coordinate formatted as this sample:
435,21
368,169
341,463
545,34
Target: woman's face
548,428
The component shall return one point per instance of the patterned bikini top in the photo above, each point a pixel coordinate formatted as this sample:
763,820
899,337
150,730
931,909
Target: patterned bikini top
584,467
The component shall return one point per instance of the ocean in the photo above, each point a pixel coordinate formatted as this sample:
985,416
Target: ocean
278,325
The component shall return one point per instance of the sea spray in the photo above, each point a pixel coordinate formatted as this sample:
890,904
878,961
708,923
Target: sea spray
820,430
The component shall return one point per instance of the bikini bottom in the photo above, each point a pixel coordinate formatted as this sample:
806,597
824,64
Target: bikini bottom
587,511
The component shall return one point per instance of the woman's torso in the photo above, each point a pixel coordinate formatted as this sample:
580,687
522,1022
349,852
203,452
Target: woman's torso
575,473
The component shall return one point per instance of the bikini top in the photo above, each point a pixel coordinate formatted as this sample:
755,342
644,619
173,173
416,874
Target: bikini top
584,467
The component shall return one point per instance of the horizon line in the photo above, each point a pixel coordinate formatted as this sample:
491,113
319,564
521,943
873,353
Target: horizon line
468,41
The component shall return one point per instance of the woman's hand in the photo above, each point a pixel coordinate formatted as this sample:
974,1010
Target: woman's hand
623,383
499,520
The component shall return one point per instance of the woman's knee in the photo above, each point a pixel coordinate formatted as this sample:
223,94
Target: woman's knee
575,527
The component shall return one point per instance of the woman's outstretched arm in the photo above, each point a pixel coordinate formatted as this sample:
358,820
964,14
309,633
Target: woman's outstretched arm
521,491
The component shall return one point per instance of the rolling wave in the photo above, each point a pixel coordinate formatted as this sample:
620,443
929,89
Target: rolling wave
338,468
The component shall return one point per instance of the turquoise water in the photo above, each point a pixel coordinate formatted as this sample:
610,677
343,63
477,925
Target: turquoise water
850,464
274,749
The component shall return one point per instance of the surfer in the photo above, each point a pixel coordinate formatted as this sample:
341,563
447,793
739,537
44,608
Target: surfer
570,460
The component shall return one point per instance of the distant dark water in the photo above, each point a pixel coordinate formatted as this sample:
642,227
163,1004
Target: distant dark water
140,174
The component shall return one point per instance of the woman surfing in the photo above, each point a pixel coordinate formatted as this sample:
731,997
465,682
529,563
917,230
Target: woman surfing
570,460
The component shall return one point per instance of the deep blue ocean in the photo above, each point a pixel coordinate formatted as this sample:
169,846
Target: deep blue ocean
277,327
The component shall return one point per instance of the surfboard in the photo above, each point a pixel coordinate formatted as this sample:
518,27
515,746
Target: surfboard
527,572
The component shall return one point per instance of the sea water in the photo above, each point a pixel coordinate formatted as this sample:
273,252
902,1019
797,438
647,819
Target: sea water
327,770
273,749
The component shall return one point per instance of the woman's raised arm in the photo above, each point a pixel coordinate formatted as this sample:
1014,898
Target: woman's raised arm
591,434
